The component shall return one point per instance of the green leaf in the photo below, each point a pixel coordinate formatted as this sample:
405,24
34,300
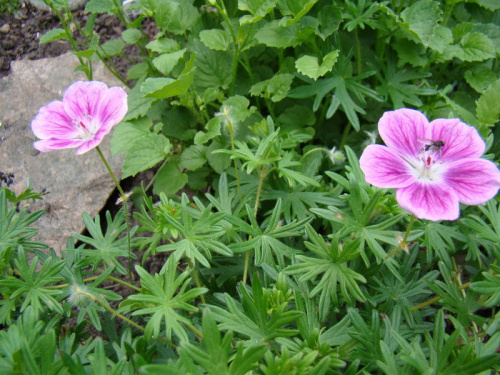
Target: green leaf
422,18
256,317
200,231
219,162
216,39
213,127
257,8
492,5
273,34
54,34
212,67
217,352
138,105
480,77
490,287
184,17
113,47
166,62
193,157
488,105
308,65
106,246
476,47
179,122
162,298
403,85
441,38
295,8
163,45
124,136
169,179
132,35
329,18
101,6
275,88
146,153
168,87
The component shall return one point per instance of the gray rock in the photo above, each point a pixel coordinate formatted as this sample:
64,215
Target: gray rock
73,4
77,183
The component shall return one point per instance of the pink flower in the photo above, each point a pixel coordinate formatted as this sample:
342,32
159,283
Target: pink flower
433,166
87,113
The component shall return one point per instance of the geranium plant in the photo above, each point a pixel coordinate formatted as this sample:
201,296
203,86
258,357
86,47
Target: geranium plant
269,240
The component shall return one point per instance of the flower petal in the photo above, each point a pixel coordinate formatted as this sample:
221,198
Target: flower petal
91,143
460,140
83,98
52,144
384,169
429,201
475,181
112,108
52,121
401,129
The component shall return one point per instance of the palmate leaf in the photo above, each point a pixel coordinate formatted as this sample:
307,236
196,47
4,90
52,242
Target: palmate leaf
257,317
346,91
199,232
394,85
29,347
14,227
263,155
30,286
108,246
267,242
330,266
490,286
439,239
217,355
161,298
453,300
440,354
296,202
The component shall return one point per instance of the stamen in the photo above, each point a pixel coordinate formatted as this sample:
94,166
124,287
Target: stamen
83,126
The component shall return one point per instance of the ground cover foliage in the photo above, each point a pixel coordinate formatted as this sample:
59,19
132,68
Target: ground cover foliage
281,257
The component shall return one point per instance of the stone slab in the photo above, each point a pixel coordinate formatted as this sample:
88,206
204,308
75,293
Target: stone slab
76,183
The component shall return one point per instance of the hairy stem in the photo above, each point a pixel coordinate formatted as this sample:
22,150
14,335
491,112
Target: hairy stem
196,280
402,244
262,176
125,207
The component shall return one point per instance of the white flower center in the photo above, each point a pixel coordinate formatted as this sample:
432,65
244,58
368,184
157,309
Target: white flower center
428,165
86,127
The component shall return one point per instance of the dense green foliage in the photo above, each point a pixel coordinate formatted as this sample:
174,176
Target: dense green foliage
281,257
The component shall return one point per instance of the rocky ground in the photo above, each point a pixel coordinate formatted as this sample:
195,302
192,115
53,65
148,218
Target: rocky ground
35,83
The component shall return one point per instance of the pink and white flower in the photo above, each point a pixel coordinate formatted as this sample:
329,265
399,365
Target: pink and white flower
433,166
88,112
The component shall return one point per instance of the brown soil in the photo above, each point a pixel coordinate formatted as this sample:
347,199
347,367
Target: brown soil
20,35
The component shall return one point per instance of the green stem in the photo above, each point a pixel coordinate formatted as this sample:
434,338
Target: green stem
345,135
358,52
112,278
125,207
262,176
69,34
99,54
437,298
236,170
196,280
110,309
402,244
314,150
